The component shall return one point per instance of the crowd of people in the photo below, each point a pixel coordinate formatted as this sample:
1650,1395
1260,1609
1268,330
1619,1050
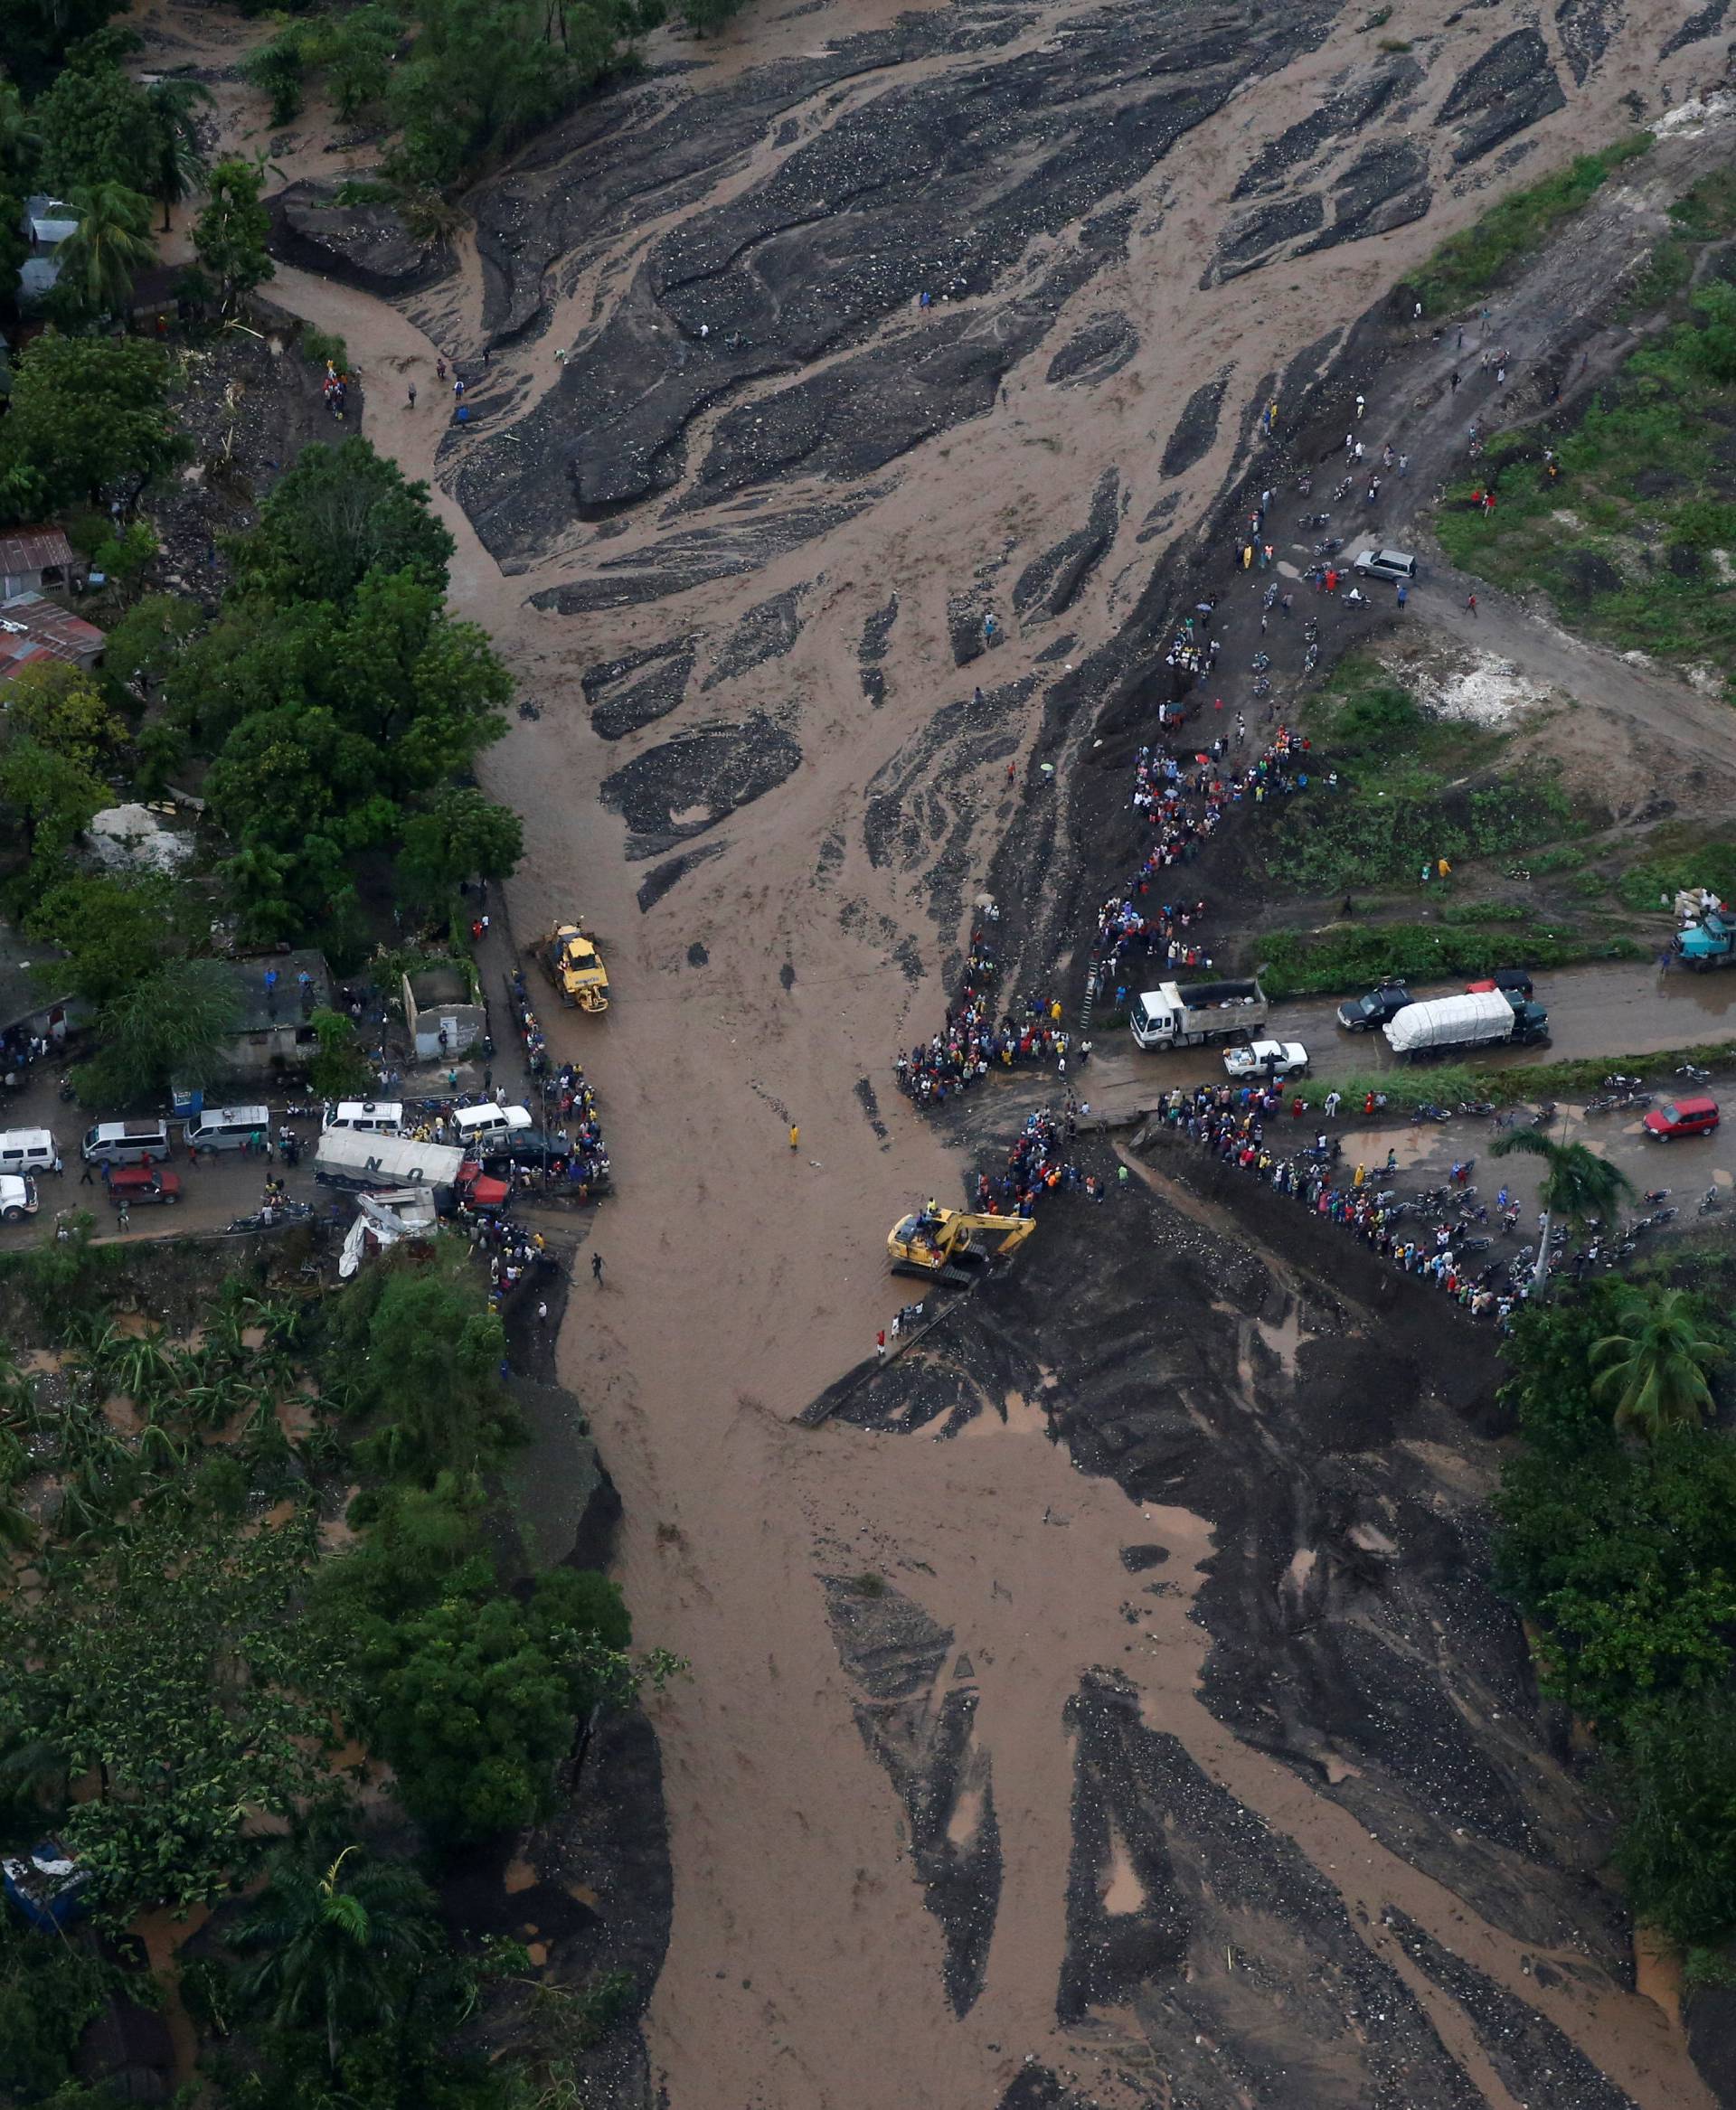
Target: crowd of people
1037,1164
1185,803
1235,1125
516,1255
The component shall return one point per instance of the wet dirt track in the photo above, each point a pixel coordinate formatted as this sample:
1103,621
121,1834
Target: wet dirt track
800,546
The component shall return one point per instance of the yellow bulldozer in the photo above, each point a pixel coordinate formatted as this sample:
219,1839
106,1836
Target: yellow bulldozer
576,968
943,1245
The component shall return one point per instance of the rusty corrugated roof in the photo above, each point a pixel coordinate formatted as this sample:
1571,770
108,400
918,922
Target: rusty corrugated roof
34,548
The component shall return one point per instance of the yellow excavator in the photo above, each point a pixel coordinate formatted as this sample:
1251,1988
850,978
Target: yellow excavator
576,968
942,1244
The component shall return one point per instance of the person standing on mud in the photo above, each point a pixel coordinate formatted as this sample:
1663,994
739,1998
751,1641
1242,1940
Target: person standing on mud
795,1136
597,1269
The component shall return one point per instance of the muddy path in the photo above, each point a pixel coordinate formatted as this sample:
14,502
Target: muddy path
735,504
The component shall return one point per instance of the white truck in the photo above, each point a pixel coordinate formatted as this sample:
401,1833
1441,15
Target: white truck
1490,1018
1187,1014
362,1163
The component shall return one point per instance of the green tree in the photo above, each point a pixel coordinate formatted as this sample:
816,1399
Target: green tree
169,1660
340,1069
1676,1781
87,412
144,643
1654,1366
96,131
116,931
474,1699
51,1992
340,514
231,237
107,249
1626,1558
1578,1185
460,835
279,70
178,160
701,15
337,1942
62,707
169,1027
20,142
432,1352
53,796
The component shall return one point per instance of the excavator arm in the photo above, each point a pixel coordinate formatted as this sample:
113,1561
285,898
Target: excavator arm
941,1246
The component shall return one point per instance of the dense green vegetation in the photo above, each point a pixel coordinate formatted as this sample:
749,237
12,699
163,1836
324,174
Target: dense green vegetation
333,710
199,1656
1409,788
455,84
1618,1541
1348,957
1634,540
1468,265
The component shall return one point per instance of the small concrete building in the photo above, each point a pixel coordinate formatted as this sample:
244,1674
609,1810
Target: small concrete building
276,998
32,628
443,1001
34,558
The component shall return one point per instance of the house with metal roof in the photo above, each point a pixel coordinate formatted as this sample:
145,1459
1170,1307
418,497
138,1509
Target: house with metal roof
33,628
32,559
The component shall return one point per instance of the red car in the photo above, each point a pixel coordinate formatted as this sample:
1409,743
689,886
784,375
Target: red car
137,1184
1682,1117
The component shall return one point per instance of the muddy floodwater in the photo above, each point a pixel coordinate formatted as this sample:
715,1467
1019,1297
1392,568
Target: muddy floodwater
1157,1741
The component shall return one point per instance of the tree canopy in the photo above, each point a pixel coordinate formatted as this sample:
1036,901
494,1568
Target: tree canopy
165,1662
87,412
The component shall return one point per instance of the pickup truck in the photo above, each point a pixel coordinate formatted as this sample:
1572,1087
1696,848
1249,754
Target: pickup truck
1187,1014
1491,1020
1361,1014
1710,943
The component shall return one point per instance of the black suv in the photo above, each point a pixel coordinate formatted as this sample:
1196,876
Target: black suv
521,1146
1363,1014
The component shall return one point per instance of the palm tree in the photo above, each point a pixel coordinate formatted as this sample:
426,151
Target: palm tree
1656,1364
18,140
1578,1185
107,249
177,159
335,1944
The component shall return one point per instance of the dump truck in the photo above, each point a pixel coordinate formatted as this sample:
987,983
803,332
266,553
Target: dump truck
943,1244
1710,943
576,968
1187,1014
1491,1020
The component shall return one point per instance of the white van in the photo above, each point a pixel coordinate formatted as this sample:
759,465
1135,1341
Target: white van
17,1198
228,1127
126,1143
368,1117
488,1124
29,1150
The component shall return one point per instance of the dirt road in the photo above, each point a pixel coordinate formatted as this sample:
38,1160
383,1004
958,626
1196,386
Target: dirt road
813,531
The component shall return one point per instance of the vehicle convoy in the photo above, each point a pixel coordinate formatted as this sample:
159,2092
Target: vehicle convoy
1491,1020
1266,1058
1710,943
1361,1014
941,1243
576,968
1187,1014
